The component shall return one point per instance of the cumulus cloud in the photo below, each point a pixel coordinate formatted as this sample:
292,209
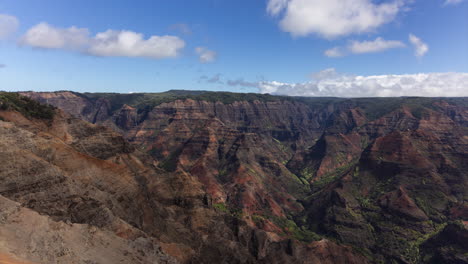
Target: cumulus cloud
331,83
46,36
109,43
360,47
8,25
420,48
131,44
332,18
205,55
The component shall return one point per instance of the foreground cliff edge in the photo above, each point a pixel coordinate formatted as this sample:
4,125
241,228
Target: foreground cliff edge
198,177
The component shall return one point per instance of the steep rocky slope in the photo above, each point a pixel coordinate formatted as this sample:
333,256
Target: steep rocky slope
73,192
283,177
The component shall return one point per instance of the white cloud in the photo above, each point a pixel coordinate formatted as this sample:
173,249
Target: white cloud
205,55
275,6
331,83
420,48
8,25
130,44
46,36
377,45
360,47
332,18
453,2
335,52
108,43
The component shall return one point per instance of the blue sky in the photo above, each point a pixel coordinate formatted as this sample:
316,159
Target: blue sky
244,45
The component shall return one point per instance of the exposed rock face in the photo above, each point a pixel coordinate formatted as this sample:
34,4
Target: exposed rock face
87,202
80,194
401,189
243,181
232,149
42,240
69,102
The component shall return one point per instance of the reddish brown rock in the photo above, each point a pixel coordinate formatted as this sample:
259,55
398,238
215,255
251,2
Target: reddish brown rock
240,181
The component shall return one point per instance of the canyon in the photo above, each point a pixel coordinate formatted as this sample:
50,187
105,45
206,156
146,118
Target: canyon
213,177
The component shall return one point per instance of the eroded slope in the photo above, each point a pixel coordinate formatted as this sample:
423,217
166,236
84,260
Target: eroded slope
383,176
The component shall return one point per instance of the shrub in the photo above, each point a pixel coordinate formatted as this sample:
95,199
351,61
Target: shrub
26,106
221,207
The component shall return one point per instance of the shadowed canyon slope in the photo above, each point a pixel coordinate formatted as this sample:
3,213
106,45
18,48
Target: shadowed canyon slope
237,178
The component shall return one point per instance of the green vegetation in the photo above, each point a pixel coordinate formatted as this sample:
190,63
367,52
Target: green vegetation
365,252
290,228
453,243
366,203
407,241
170,163
422,204
303,180
145,101
222,173
307,173
412,253
282,147
233,211
398,235
332,176
429,200
356,172
257,218
26,106
221,207
305,235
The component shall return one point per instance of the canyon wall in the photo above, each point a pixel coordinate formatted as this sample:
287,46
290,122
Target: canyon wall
279,179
